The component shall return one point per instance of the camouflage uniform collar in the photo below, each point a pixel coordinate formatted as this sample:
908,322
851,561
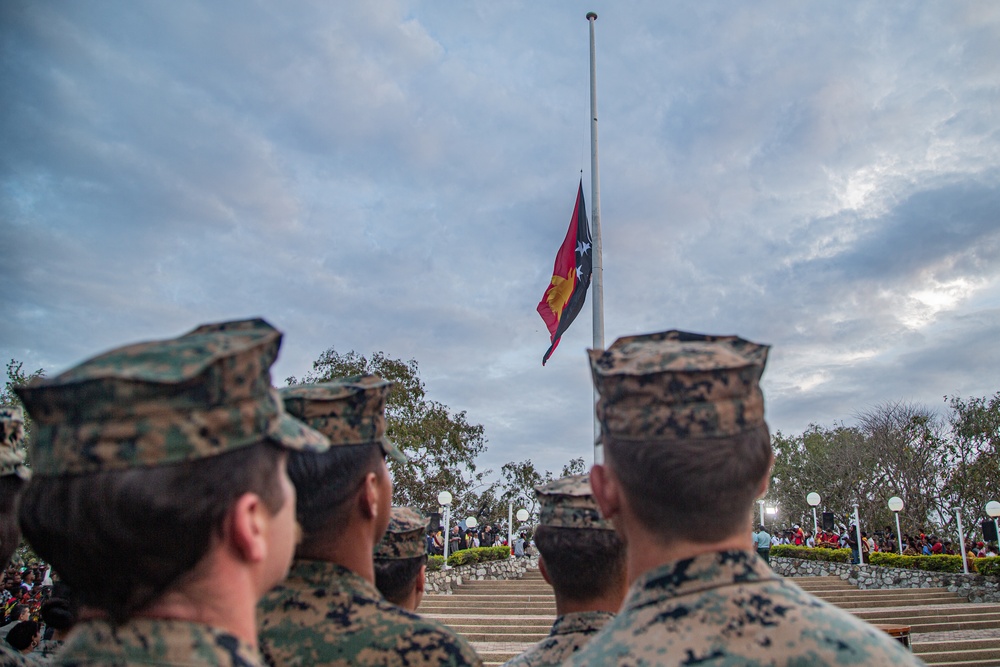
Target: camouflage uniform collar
324,574
694,575
150,641
586,622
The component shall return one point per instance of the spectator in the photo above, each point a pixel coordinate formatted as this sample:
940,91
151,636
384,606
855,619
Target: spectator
23,637
519,546
20,612
762,542
59,613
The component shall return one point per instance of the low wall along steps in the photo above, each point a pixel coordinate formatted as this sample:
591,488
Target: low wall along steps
501,617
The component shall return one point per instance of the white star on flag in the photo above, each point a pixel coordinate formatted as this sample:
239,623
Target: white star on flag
582,248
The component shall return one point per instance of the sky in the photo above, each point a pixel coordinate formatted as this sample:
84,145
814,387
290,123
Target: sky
397,176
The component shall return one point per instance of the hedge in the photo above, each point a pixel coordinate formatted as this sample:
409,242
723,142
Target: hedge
467,556
938,563
811,553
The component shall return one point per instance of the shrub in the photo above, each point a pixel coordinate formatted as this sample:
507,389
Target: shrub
434,563
477,555
989,567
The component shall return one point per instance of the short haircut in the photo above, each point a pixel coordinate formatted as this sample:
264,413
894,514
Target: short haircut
160,520
59,612
10,534
582,564
326,481
21,635
395,577
696,489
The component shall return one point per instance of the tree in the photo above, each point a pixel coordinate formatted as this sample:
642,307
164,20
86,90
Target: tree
903,445
574,467
442,446
829,461
16,377
972,456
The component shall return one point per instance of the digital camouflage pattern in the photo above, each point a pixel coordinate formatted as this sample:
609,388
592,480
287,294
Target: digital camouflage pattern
569,634
161,402
10,657
405,537
324,614
729,608
11,435
348,411
568,503
147,641
674,384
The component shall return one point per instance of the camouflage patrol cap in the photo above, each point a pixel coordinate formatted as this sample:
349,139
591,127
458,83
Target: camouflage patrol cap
405,536
161,402
348,411
674,385
11,434
569,503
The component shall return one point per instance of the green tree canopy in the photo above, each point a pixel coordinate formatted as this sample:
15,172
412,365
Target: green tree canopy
16,377
442,445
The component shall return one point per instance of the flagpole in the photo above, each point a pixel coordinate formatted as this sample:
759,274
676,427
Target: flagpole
597,282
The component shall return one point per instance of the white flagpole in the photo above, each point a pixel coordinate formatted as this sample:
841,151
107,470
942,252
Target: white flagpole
597,282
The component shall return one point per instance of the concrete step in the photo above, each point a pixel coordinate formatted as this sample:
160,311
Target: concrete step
929,611
962,656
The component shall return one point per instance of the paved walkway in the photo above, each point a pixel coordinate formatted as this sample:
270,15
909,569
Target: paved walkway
955,635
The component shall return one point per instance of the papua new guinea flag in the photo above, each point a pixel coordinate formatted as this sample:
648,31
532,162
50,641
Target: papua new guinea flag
567,291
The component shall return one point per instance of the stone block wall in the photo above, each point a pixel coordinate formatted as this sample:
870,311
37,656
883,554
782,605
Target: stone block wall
974,587
444,581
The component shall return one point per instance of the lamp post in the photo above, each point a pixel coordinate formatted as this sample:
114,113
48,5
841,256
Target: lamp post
510,527
896,505
993,509
761,503
857,530
961,541
444,499
813,500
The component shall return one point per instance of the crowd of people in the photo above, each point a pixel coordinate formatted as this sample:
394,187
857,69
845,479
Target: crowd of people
921,544
471,538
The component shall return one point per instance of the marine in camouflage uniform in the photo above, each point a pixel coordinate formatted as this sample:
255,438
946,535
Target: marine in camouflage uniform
401,558
13,475
129,441
687,451
584,561
328,611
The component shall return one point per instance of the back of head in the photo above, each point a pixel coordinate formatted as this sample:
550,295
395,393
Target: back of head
400,554
583,556
140,453
682,421
350,412
22,635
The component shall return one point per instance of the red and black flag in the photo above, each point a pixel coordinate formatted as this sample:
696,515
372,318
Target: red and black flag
567,290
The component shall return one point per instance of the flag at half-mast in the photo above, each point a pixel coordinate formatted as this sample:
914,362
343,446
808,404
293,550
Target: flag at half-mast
567,290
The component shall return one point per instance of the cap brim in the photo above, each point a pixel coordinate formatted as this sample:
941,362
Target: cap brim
290,433
390,449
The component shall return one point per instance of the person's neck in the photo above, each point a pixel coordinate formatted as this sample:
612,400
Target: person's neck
647,551
350,547
609,602
225,602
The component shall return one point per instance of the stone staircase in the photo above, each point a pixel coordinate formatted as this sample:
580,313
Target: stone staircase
503,618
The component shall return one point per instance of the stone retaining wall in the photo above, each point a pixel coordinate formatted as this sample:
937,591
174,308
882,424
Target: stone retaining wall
443,581
975,587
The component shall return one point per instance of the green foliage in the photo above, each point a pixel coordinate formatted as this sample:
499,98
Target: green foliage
972,456
810,553
16,377
478,555
989,567
434,563
442,445
936,563
575,466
